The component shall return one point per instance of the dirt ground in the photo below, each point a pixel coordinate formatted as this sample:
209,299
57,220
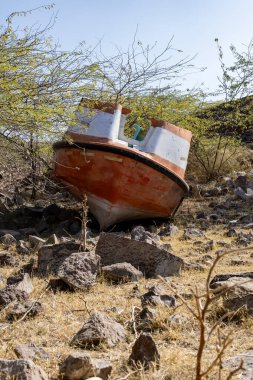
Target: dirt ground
174,330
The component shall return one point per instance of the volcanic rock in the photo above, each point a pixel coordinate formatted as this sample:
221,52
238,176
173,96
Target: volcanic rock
79,365
30,351
151,260
79,270
121,272
99,329
144,352
21,370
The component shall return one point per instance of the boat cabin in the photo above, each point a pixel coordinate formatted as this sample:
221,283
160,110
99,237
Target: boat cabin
105,123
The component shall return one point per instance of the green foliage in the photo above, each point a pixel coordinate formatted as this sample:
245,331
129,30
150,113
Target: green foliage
236,79
41,85
38,83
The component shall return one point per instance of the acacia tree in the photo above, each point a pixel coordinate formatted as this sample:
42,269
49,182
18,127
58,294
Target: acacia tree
217,143
141,70
38,83
236,80
41,85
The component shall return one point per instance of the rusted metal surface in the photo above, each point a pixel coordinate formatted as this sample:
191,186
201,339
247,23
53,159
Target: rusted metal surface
118,187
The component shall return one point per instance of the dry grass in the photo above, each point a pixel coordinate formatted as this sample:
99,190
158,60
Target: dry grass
174,330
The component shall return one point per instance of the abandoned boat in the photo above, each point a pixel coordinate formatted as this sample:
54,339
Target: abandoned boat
123,178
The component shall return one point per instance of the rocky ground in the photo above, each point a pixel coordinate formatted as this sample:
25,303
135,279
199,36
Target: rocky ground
123,307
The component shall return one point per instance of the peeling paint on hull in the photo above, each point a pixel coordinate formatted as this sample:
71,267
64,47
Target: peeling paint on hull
120,185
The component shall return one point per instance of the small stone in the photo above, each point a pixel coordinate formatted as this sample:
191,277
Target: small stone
225,277
28,267
213,217
99,329
53,239
58,285
140,234
8,240
191,233
170,230
21,282
194,266
144,352
206,260
201,215
231,232
240,193
244,239
239,262
10,294
23,248
121,272
222,243
36,242
208,246
177,320
153,297
30,351
30,309
79,365
21,369
241,181
147,313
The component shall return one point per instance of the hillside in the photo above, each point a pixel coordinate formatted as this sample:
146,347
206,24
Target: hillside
233,118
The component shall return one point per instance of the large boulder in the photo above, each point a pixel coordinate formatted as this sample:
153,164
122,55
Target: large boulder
151,260
21,370
79,270
99,329
50,257
79,365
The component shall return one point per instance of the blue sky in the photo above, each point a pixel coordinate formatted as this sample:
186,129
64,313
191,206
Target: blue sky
193,23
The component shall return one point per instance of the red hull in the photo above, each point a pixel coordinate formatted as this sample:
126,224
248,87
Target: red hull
120,184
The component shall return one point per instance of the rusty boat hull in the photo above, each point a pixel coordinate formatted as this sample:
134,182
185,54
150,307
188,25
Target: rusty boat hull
121,183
